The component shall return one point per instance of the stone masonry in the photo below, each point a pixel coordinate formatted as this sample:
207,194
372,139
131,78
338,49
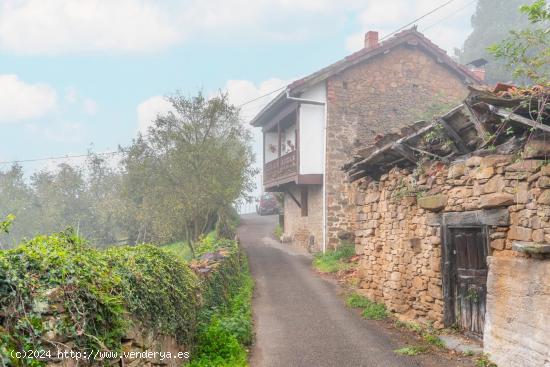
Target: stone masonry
309,228
362,100
400,242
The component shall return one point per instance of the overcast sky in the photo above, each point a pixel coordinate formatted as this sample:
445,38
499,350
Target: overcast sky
76,74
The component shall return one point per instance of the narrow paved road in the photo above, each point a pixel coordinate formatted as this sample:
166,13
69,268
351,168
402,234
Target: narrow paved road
300,319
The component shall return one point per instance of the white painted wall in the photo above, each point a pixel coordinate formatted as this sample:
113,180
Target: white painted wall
312,125
271,138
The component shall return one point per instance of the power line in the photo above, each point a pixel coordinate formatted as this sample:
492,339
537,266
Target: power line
59,157
262,96
417,19
266,94
450,15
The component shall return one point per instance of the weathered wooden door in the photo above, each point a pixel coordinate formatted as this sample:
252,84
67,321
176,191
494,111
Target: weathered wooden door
468,257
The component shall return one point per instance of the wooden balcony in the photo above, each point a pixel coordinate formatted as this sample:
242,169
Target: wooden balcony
281,170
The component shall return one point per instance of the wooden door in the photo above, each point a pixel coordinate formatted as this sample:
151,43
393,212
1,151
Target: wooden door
468,257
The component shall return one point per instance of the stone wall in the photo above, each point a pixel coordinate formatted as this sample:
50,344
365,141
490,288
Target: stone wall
299,228
377,96
400,239
518,303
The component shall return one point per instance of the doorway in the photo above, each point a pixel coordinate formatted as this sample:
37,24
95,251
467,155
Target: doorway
465,270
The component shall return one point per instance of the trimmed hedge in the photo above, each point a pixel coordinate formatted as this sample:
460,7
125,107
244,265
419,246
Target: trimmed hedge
58,288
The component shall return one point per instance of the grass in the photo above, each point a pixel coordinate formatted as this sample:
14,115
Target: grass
334,260
412,326
483,361
434,340
180,249
371,310
412,350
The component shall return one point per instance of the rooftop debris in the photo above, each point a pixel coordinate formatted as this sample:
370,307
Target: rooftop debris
498,121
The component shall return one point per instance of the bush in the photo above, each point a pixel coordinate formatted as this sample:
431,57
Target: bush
278,231
58,285
334,260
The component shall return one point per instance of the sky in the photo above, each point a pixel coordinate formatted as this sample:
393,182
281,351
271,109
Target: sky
79,75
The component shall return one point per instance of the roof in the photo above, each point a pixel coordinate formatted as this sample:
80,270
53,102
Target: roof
409,36
499,121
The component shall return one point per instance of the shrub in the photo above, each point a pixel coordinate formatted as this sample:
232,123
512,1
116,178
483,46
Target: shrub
278,231
412,350
371,310
334,260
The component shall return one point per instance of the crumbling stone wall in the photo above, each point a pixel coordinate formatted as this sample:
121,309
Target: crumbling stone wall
302,229
378,96
400,240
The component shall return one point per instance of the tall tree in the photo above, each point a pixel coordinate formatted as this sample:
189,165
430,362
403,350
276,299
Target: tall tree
491,23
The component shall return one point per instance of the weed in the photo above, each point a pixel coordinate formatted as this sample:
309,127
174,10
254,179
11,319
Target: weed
278,231
375,311
357,301
434,340
413,326
483,361
468,353
412,350
334,260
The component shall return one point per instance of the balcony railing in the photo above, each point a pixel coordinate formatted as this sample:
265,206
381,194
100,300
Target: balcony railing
278,170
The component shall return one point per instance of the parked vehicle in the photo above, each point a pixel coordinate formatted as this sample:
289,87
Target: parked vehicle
267,204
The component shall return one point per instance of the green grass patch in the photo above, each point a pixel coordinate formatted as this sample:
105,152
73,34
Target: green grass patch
225,332
334,260
433,340
484,361
412,350
412,326
371,310
180,249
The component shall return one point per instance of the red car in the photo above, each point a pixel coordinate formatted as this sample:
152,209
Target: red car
267,204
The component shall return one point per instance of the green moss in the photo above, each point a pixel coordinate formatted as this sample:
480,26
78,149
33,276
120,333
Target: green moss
334,260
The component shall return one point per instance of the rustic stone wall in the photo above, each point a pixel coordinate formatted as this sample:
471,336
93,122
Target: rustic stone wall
299,228
401,242
518,303
378,96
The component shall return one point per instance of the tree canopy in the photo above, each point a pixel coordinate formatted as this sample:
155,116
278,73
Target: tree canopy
178,181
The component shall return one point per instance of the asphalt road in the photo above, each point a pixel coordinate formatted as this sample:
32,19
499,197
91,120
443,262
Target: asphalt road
300,318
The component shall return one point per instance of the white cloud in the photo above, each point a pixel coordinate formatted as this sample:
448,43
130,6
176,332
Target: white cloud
20,100
148,110
90,106
71,95
55,26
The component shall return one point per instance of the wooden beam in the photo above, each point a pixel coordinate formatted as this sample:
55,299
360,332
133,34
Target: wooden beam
517,118
405,151
457,140
293,198
478,125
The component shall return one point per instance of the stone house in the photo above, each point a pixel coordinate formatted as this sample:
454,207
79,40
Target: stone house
319,122
453,223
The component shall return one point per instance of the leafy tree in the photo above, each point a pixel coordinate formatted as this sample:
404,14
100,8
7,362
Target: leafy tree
527,51
491,23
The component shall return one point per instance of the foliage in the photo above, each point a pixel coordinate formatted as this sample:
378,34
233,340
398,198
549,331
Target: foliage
371,310
412,326
5,224
60,285
433,340
181,180
484,361
158,289
412,350
334,260
491,23
226,330
180,249
278,232
62,268
527,51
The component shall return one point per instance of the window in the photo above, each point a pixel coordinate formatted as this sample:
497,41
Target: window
303,201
